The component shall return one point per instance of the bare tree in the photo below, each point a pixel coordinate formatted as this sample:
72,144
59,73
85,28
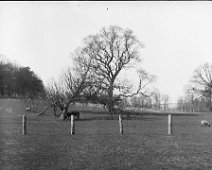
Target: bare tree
69,89
112,50
156,99
202,82
181,104
165,100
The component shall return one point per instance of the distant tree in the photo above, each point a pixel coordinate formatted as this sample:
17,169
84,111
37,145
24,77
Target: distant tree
185,104
165,100
9,81
2,78
156,99
201,82
18,81
27,83
180,104
2,74
112,50
141,101
136,101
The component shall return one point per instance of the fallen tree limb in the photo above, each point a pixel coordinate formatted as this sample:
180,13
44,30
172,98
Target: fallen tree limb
44,110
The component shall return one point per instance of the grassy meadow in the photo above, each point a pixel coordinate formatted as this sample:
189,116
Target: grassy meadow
97,143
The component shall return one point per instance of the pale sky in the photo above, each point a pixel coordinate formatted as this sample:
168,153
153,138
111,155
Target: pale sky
177,36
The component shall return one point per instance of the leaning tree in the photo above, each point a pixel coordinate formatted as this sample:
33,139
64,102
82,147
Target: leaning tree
110,52
60,94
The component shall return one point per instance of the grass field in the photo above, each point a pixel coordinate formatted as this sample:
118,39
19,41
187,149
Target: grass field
97,143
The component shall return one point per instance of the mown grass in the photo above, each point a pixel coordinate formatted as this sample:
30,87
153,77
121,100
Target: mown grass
97,143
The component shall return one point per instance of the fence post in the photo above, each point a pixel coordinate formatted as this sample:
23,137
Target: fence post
169,124
72,125
120,125
24,124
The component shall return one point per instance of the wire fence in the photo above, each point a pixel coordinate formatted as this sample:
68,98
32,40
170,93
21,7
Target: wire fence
28,125
11,118
175,107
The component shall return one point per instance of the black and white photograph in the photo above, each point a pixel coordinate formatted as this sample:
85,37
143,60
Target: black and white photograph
105,85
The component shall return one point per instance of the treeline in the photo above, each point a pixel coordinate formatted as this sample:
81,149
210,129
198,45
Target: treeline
18,81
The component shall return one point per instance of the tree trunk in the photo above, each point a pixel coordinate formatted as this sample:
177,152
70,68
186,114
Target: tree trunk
62,116
1,86
210,106
64,112
55,111
111,106
44,110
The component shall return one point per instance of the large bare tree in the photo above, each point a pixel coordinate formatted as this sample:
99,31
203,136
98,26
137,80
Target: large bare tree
202,82
110,51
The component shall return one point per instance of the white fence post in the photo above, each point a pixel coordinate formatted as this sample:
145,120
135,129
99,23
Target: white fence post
120,125
169,124
72,125
24,124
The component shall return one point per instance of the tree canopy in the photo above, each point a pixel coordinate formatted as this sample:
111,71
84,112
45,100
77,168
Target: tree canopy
199,90
19,81
110,51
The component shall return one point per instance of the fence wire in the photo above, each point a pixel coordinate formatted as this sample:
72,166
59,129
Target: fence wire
175,107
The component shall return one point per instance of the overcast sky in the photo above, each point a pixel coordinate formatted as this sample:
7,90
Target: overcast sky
177,36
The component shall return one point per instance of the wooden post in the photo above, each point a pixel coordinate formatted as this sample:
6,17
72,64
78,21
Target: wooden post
120,125
72,125
169,124
24,124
